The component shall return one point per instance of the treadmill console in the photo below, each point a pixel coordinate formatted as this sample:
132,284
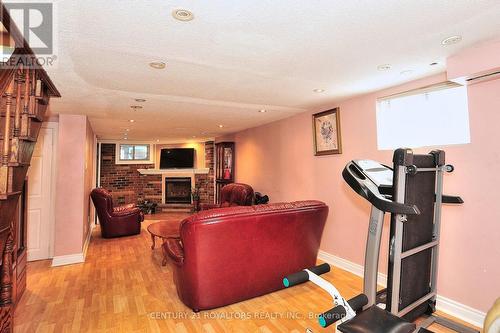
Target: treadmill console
373,181
379,174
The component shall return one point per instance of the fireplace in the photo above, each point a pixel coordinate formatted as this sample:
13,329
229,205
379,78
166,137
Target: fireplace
178,190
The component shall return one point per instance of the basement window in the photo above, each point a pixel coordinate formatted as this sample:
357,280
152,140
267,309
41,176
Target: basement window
431,116
133,154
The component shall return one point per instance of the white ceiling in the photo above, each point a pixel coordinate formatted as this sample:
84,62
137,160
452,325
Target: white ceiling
237,57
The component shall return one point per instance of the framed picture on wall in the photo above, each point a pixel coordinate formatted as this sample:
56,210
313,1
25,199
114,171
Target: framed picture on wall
326,132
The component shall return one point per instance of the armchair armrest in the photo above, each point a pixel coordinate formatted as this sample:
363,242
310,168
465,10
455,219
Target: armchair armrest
209,206
174,249
124,207
126,212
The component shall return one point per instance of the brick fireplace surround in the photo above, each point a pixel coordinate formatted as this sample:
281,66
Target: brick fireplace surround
127,185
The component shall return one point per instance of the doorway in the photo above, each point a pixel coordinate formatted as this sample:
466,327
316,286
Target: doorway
41,200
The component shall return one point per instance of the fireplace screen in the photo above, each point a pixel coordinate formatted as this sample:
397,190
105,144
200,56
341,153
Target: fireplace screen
178,190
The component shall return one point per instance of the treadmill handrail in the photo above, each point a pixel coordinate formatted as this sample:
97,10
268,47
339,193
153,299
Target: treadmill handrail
368,190
451,199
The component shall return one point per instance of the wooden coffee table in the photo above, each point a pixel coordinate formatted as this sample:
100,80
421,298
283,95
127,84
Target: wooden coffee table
163,230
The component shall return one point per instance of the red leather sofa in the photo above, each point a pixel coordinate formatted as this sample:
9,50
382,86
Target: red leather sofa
116,221
234,194
232,254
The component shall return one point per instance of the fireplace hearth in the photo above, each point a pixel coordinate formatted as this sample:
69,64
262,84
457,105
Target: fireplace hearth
178,190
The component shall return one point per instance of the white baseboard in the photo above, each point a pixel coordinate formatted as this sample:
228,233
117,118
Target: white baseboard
461,311
68,259
444,304
349,266
76,258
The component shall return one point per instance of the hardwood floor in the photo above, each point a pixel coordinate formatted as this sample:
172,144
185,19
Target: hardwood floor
122,287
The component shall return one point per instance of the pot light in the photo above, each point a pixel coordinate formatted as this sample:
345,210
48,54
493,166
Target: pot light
451,40
127,129
220,126
157,65
182,15
139,100
319,90
262,110
125,138
157,140
384,67
131,120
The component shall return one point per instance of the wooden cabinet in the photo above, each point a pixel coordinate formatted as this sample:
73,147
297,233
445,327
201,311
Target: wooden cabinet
224,166
19,253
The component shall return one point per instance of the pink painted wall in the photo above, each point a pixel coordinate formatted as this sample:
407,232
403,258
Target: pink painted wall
474,60
277,159
72,184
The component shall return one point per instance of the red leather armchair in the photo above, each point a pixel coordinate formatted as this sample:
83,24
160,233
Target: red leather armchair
116,221
234,194
229,255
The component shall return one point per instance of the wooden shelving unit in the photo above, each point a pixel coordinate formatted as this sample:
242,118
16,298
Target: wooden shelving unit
224,166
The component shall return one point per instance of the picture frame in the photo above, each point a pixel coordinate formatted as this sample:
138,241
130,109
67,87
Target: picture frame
326,132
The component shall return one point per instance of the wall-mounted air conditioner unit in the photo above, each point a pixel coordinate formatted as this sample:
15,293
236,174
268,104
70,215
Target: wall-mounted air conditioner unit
488,75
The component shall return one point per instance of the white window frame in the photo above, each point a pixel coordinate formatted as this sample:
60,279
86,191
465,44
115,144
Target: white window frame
118,145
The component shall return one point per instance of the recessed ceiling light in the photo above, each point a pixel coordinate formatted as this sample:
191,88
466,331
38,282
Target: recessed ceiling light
125,138
262,110
182,15
136,107
131,120
451,40
140,100
319,90
194,136
384,67
127,129
157,140
406,72
220,126
157,65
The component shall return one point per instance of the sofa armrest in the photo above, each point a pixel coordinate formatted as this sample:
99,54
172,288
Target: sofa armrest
208,206
124,207
174,249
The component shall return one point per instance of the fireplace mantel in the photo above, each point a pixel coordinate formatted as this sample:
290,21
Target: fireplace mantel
173,171
166,173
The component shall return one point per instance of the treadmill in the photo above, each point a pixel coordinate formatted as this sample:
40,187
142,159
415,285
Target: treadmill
412,192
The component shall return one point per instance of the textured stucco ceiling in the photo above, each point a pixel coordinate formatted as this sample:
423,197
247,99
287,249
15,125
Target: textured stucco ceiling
237,57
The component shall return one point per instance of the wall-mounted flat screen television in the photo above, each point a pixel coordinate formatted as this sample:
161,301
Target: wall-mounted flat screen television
177,158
